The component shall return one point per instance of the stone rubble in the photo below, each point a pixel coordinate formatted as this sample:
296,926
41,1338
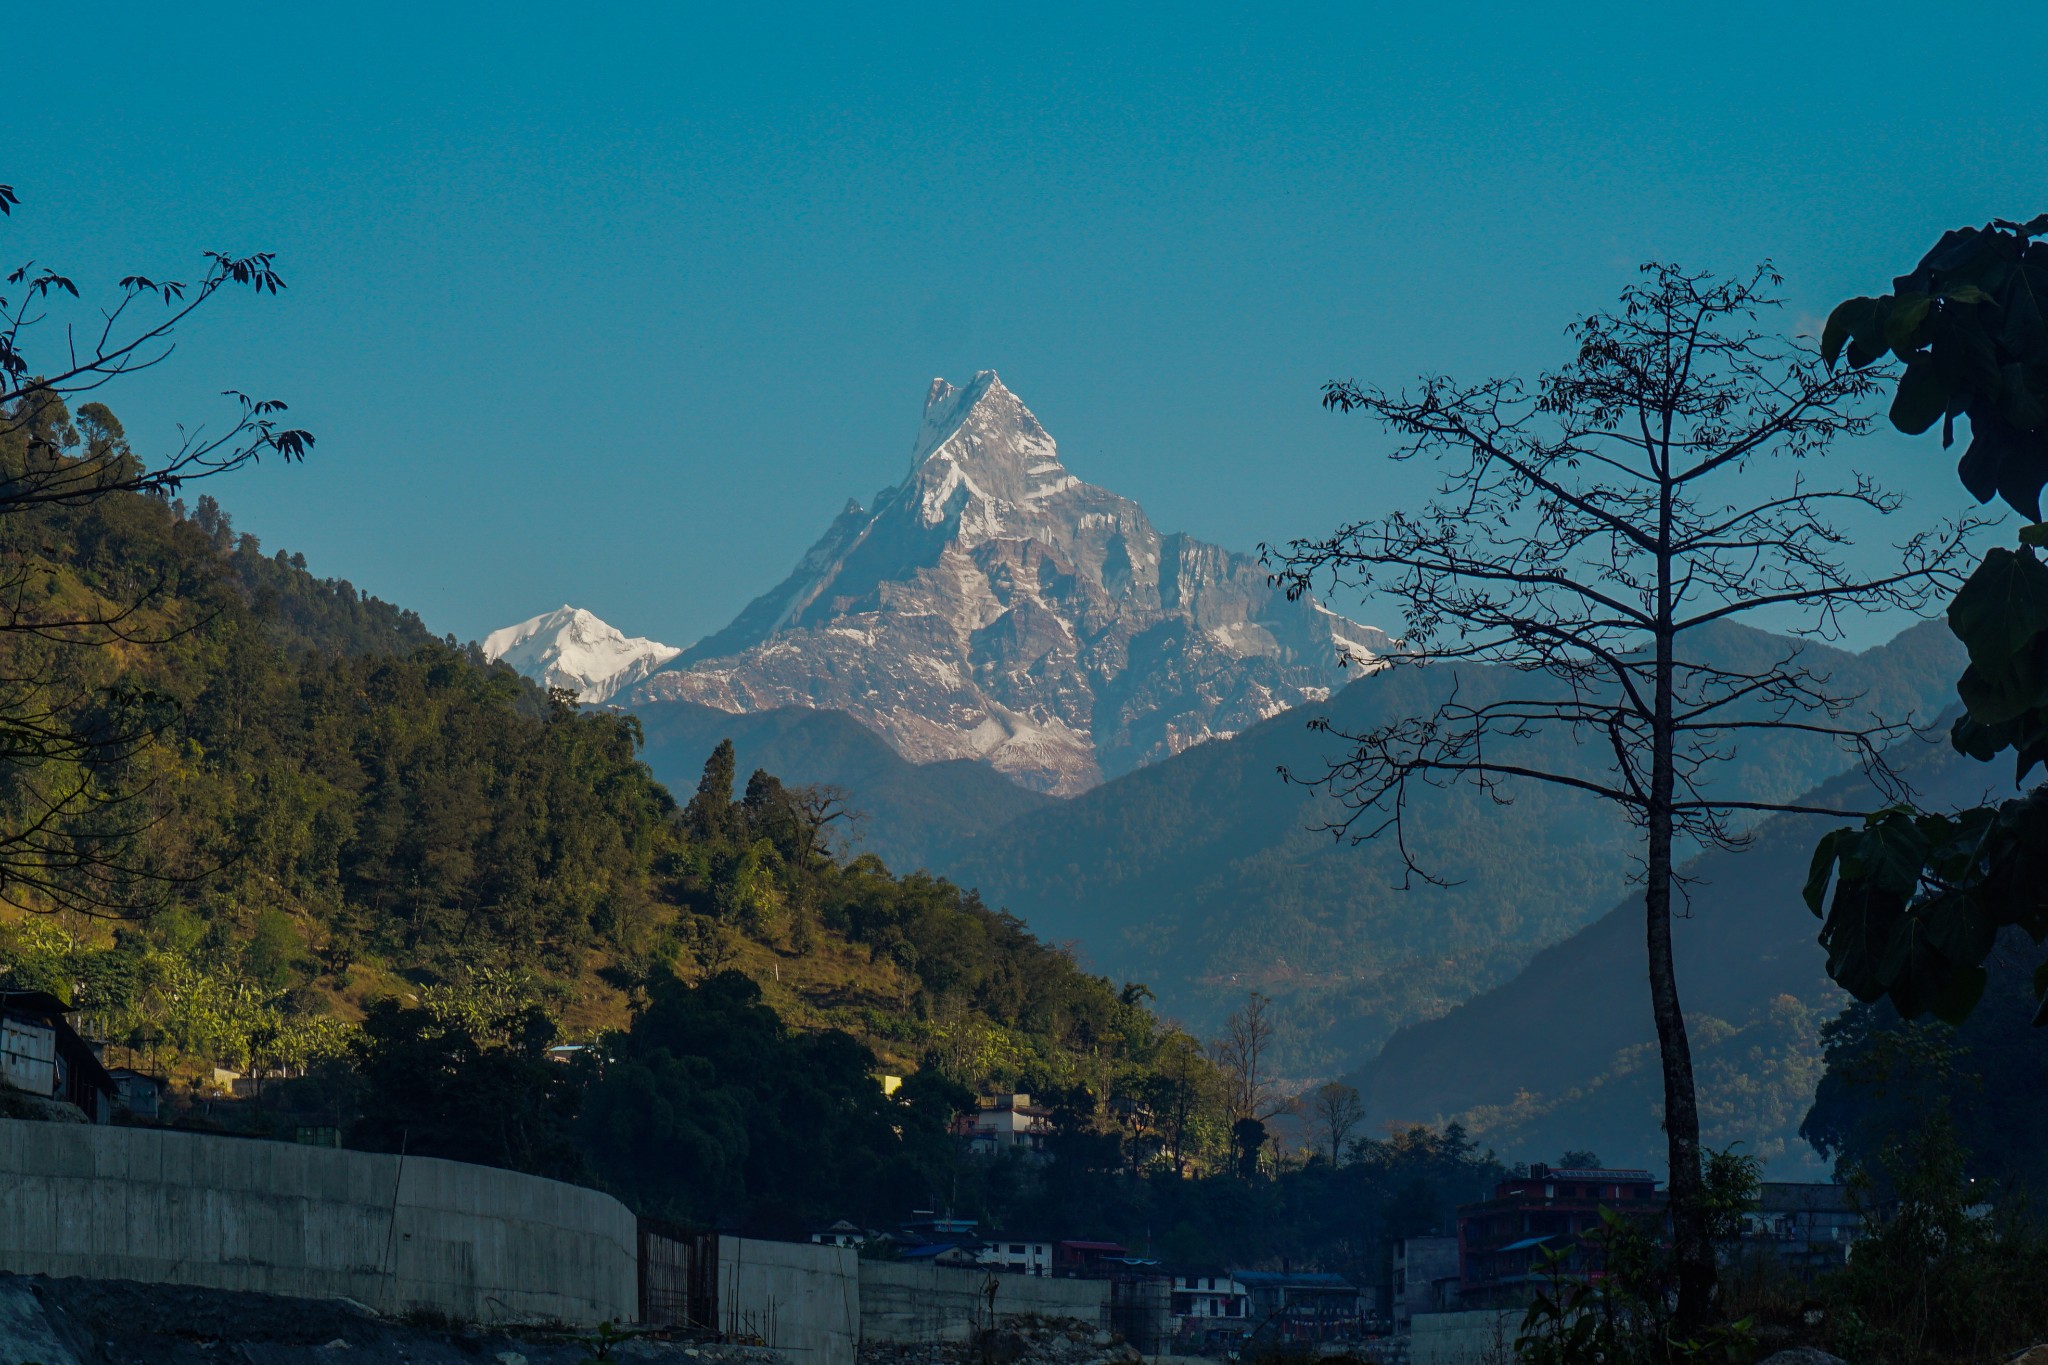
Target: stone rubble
113,1322
1020,1342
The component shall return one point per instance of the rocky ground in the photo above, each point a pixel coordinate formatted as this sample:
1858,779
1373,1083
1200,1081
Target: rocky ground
46,1321
1021,1342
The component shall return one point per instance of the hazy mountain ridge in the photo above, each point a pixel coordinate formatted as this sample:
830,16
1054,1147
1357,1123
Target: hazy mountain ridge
995,607
1204,877
1565,1050
910,815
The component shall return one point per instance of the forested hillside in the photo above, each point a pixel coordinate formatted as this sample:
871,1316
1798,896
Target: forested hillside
1206,876
327,807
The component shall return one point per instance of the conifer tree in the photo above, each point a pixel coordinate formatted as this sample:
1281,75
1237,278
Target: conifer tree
710,813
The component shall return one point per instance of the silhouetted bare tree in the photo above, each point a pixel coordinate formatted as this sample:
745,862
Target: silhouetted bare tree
1586,534
1249,1097
1336,1110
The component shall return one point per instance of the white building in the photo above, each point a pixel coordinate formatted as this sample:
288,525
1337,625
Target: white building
1209,1298
1020,1255
840,1234
1425,1277
41,1055
1002,1123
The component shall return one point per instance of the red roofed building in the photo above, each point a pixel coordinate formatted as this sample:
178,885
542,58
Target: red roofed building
1499,1238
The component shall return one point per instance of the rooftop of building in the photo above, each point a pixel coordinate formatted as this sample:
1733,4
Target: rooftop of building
1787,1196
1291,1279
34,1002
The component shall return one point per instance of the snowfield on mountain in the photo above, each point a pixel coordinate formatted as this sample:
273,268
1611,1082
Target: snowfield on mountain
569,647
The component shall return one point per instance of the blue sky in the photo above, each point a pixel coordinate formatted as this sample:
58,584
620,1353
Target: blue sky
617,306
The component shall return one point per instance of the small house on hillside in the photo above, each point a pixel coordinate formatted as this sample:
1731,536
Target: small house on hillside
42,1055
1004,1123
1210,1307
940,1239
840,1233
138,1092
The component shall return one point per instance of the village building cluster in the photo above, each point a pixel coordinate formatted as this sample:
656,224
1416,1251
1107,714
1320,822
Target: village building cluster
1490,1259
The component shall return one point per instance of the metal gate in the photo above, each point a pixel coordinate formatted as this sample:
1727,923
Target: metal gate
678,1276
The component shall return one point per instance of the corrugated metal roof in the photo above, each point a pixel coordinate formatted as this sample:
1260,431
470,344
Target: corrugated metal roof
1307,1279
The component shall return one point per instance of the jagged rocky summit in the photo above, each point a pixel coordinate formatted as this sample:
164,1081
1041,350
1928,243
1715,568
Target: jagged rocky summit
995,607
569,647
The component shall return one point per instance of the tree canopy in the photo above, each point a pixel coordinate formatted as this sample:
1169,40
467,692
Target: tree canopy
1920,897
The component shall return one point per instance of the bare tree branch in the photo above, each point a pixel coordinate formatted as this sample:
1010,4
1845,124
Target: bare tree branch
1593,532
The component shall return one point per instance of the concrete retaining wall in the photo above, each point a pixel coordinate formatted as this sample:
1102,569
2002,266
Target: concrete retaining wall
798,1297
909,1303
480,1244
1480,1337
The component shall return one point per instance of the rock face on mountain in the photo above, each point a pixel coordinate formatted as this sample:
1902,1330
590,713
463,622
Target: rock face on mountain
995,607
569,647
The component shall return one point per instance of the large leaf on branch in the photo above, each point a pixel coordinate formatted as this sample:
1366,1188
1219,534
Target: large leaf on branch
2010,693
2019,400
2024,303
2001,616
2004,462
1877,871
1919,901
1922,397
2002,607
1971,323
2014,864
2026,735
1849,318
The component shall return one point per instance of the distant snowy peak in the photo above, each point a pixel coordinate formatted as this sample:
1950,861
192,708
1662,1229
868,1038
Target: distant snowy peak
570,647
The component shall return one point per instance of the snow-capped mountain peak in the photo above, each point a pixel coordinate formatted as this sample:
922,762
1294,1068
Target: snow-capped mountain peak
571,647
981,459
993,606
